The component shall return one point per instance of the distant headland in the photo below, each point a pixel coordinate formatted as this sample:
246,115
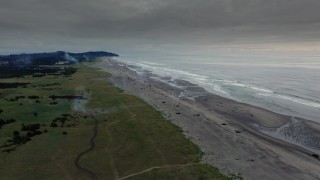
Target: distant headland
51,58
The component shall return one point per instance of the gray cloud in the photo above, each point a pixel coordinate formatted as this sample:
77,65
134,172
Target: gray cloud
48,24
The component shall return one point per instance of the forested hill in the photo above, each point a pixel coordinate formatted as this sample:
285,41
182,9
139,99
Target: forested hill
52,58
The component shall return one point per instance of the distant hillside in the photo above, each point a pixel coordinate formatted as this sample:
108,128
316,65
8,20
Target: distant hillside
52,58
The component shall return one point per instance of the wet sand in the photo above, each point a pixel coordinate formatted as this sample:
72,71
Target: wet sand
235,137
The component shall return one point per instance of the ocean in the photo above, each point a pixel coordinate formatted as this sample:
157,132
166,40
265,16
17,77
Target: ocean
287,85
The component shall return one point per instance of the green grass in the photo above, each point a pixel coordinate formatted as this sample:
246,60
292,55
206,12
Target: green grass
132,136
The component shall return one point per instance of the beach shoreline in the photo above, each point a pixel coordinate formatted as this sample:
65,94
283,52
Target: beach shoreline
224,129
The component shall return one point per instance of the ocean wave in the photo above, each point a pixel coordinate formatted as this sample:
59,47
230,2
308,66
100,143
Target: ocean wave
137,70
232,83
190,95
152,63
237,83
299,100
261,89
295,99
217,88
175,73
270,93
142,65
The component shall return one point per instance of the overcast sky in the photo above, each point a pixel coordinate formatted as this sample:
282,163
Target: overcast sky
133,26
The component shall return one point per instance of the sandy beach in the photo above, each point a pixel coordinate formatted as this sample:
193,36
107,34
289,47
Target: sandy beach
235,137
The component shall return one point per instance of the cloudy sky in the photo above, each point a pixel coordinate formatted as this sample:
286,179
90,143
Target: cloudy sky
134,26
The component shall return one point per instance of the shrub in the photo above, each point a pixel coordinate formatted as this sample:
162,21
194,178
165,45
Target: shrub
54,125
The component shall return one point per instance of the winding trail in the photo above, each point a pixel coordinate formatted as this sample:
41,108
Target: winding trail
157,167
92,146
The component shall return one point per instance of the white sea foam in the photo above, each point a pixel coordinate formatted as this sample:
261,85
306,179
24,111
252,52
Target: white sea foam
264,94
145,66
261,89
224,81
175,73
189,95
138,71
235,84
152,63
218,89
299,101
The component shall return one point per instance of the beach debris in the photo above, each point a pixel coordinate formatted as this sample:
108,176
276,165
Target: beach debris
224,124
237,131
178,113
182,96
262,157
163,102
315,156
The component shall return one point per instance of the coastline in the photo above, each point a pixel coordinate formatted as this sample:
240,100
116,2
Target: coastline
223,129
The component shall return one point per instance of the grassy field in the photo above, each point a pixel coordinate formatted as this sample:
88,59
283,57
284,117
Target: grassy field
133,142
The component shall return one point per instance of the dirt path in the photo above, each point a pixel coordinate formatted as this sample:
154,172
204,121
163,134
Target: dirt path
156,167
92,146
